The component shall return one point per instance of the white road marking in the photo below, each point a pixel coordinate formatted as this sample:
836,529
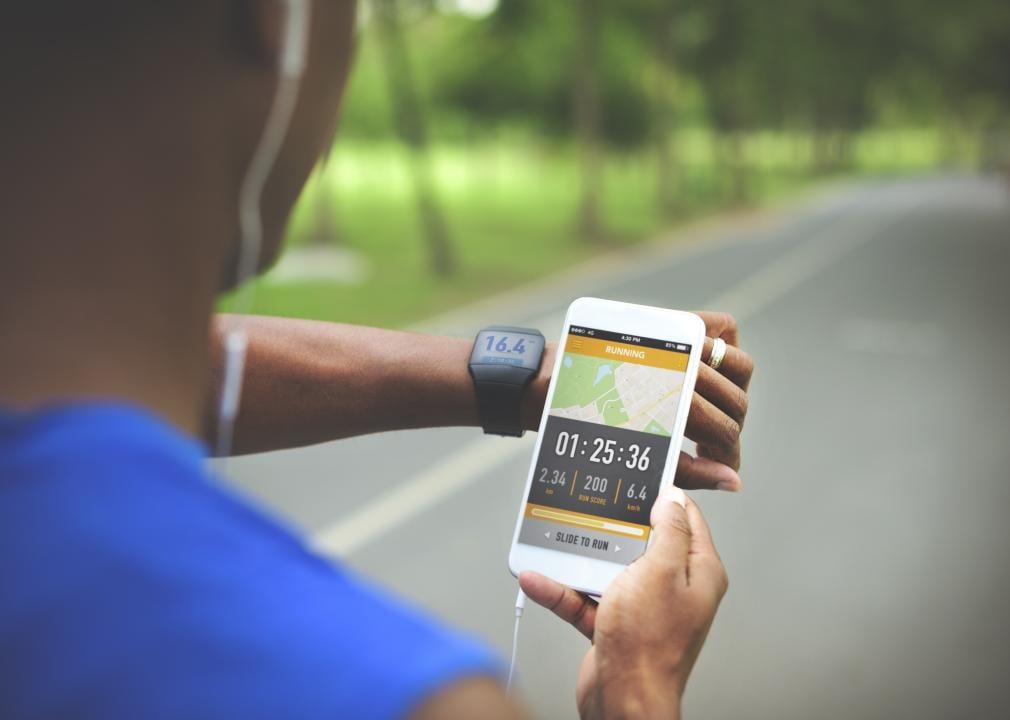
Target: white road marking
900,339
417,494
428,488
794,267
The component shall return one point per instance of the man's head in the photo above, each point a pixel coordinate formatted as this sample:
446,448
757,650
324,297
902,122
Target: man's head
196,76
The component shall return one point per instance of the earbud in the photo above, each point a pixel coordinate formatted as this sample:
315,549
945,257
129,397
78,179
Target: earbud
296,40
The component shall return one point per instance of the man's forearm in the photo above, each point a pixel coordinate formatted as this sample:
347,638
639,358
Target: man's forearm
307,382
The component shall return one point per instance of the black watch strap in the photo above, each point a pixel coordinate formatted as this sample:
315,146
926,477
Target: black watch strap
503,361
498,406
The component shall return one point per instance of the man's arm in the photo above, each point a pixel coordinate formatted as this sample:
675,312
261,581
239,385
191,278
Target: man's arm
308,382
472,698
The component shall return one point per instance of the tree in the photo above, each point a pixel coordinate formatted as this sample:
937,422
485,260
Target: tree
412,129
664,42
586,114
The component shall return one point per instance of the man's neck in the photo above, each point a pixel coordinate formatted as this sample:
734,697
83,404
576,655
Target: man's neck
109,267
63,346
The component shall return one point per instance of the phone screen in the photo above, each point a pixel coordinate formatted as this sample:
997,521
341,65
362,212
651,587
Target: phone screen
605,444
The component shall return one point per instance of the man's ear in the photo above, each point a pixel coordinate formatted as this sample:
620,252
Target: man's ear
261,30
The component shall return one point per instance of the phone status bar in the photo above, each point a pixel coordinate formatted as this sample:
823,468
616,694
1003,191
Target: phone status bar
629,339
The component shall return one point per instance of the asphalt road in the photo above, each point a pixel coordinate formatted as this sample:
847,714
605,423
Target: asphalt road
869,553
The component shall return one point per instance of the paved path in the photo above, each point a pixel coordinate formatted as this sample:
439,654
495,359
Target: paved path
869,553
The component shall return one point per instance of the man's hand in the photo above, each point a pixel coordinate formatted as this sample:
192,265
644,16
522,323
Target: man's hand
718,409
648,629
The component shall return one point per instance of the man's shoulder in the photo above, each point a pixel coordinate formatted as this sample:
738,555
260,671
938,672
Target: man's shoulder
133,567
98,443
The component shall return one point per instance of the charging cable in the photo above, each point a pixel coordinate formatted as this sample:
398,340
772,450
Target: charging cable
520,606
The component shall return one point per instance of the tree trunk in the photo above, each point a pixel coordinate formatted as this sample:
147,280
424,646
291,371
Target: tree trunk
736,163
324,230
846,150
665,112
411,126
587,116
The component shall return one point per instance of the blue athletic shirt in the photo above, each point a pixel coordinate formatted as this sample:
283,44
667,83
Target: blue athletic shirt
133,585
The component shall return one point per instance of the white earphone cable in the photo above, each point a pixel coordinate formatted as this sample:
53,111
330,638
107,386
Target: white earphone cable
520,606
292,63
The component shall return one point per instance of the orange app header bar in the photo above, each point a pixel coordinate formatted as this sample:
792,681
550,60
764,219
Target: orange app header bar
624,352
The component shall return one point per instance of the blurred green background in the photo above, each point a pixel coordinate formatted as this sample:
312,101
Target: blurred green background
487,143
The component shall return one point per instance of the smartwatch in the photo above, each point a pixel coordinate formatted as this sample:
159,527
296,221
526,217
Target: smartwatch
503,361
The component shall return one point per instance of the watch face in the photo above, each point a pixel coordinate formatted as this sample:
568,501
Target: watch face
507,347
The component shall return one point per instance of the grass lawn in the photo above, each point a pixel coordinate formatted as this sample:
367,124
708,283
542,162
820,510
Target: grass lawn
511,210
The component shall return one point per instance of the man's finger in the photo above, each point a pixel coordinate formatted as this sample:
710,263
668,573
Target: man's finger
720,324
723,393
736,365
710,427
702,473
671,536
705,568
574,608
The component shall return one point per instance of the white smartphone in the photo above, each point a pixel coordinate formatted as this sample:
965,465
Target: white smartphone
609,440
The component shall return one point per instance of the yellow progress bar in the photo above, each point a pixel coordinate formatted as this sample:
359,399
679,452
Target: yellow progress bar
585,521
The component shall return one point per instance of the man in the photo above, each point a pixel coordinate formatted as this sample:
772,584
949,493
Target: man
134,585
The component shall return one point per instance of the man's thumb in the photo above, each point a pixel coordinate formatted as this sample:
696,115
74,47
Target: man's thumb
671,532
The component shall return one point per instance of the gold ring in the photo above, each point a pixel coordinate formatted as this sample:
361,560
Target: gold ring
718,353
